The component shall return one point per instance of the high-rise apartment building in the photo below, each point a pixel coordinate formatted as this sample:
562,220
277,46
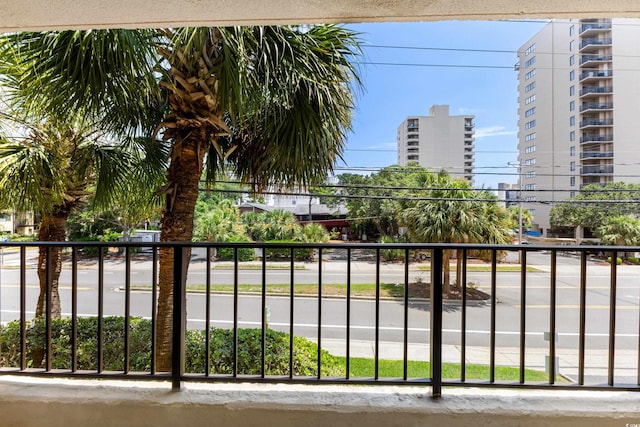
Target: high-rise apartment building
438,141
579,98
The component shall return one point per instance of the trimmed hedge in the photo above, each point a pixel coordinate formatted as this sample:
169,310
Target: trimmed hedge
220,357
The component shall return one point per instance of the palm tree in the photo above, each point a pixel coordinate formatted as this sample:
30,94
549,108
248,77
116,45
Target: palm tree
51,169
622,230
273,102
455,214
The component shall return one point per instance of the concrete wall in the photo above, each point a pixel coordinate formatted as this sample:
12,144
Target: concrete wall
70,403
58,14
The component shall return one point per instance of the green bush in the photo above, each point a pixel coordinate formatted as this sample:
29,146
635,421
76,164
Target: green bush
220,347
618,260
633,260
391,254
284,254
244,254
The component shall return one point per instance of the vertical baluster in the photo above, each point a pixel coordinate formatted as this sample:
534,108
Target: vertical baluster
127,307
405,340
348,332
436,322
154,292
234,367
23,308
377,326
463,320
48,299
180,260
523,312
263,344
552,318
291,307
612,316
207,314
492,349
74,309
583,316
100,308
319,313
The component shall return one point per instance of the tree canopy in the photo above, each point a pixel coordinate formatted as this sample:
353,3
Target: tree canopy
595,204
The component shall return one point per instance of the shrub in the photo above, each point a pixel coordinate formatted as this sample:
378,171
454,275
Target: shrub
244,254
633,260
284,254
220,347
618,260
391,254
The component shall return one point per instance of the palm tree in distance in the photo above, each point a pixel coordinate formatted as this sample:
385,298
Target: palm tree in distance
274,103
52,168
455,213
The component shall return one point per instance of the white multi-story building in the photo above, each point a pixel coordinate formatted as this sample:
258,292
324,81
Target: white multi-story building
438,141
579,97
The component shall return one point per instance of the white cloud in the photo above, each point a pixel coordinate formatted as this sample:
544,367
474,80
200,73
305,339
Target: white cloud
383,146
489,131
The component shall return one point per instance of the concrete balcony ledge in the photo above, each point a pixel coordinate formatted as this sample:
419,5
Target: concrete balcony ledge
58,402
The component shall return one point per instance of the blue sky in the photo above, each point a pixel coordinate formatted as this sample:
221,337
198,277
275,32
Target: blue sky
391,93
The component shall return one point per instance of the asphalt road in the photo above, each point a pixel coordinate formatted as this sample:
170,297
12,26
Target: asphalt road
362,322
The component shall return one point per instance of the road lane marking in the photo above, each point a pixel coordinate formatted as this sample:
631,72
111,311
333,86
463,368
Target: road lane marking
65,288
575,306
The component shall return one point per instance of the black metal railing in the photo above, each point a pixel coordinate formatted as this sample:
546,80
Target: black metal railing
310,292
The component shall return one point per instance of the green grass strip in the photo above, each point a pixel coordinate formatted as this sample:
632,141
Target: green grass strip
363,367
254,266
515,268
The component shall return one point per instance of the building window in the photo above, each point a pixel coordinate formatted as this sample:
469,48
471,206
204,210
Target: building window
530,199
572,121
530,137
572,149
572,90
572,166
529,175
530,87
572,105
530,99
530,149
572,137
530,49
572,75
530,74
530,112
530,124
530,187
572,60
572,45
572,194
530,162
572,182
532,212
530,62
572,30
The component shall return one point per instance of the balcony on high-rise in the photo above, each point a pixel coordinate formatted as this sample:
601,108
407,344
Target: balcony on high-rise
588,59
596,123
594,43
595,74
595,90
596,170
590,28
596,106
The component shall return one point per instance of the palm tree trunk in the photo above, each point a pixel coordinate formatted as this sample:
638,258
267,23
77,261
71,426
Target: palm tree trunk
446,268
459,268
52,229
183,176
